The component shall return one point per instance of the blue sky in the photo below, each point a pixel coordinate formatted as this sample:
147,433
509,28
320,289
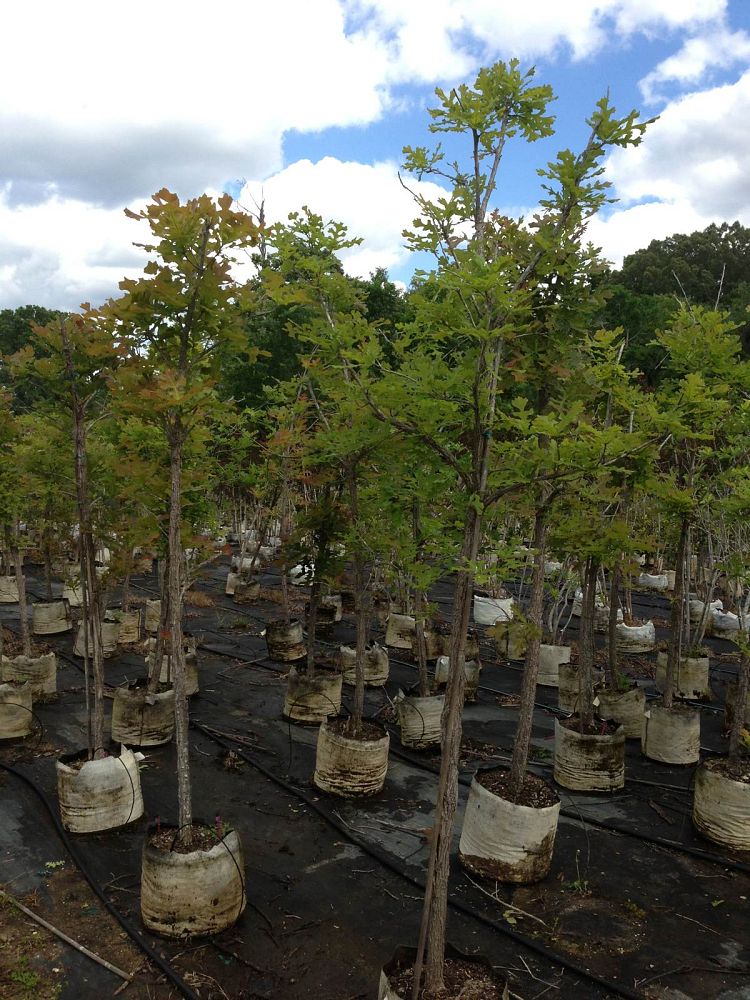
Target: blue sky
311,101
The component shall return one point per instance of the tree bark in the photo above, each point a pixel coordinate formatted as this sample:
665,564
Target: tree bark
586,644
435,911
154,671
421,645
15,552
610,669
174,591
312,624
740,703
125,592
91,621
47,553
362,612
91,618
531,663
676,618
419,602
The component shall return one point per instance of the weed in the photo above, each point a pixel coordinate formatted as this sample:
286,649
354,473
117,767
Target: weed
579,885
25,977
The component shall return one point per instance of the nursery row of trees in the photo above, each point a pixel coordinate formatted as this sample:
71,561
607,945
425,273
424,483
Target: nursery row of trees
487,422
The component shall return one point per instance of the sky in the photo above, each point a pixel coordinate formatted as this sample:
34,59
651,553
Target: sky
310,102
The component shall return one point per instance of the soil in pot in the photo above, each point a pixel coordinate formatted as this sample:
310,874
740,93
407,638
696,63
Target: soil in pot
142,719
731,698
152,616
110,638
348,765
550,658
285,641
625,707
472,671
8,590
488,610
509,840
721,803
51,618
99,794
466,978
568,689
312,699
420,720
635,638
589,758
671,736
196,890
691,677
247,592
376,665
511,639
399,631
39,671
16,715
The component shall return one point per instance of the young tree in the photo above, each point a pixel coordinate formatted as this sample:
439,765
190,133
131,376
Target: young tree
703,385
72,358
173,320
495,281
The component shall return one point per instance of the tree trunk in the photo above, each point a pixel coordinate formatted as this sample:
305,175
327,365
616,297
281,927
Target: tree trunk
419,603
15,552
154,672
47,554
740,703
421,644
586,644
676,618
174,592
610,669
434,913
312,624
125,592
362,612
91,620
531,663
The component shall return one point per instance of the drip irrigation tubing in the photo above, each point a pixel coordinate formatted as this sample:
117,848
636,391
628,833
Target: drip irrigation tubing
384,859
671,845
131,930
552,709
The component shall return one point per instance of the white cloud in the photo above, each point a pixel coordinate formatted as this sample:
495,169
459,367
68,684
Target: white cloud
697,152
101,105
689,171
697,57
367,198
428,36
111,103
63,252
625,231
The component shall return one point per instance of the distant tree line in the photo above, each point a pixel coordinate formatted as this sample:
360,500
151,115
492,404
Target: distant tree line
710,267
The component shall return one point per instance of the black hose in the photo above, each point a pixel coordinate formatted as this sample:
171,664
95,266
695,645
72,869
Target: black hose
385,860
671,845
600,824
123,921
